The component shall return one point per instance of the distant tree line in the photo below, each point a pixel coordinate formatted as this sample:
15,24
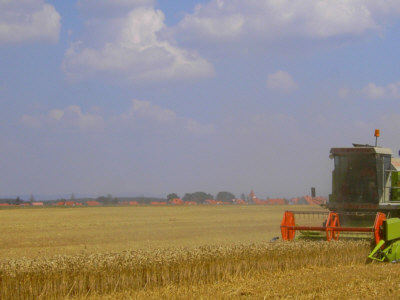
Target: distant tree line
201,197
198,197
13,201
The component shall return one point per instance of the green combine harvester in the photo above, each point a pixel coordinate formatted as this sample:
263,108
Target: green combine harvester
365,200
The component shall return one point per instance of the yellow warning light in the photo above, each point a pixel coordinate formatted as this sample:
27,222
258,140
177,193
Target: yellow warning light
377,132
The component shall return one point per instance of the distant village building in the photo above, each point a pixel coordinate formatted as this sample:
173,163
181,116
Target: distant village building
239,202
190,203
158,203
176,201
304,200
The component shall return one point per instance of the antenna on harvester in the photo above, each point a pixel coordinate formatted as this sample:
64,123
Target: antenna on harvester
377,134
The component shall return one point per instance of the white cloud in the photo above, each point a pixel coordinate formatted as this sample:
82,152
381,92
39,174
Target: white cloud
195,127
271,19
28,21
281,81
147,110
225,27
73,115
70,116
136,52
110,9
56,114
150,116
374,91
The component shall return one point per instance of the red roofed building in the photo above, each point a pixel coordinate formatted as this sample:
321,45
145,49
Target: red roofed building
253,198
240,202
129,203
294,200
176,201
190,203
93,203
320,200
277,201
210,202
157,203
314,201
67,203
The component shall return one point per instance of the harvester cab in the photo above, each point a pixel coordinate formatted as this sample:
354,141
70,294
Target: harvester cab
365,179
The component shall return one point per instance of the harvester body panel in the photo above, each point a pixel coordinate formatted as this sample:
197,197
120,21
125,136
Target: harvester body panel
388,249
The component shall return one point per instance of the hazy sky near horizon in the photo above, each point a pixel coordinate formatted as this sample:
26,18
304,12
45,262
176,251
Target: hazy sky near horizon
152,97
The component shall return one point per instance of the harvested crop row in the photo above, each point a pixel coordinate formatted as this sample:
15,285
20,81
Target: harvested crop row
82,275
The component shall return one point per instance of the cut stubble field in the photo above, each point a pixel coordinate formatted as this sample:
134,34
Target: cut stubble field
204,252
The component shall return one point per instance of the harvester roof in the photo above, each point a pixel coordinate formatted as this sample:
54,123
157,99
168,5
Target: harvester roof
365,149
396,164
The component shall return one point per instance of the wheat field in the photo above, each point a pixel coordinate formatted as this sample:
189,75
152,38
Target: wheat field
37,232
177,253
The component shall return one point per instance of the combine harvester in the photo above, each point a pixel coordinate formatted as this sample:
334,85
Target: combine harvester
365,200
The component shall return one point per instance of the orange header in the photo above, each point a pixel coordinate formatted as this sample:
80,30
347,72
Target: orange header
377,132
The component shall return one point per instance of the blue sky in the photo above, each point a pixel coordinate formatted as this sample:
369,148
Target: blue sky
151,97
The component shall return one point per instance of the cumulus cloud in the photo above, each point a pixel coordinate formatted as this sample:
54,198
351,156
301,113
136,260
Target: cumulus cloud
281,81
110,9
143,110
70,116
28,21
135,52
374,91
150,116
147,110
195,127
270,19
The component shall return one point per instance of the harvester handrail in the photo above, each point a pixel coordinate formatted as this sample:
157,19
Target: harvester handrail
310,212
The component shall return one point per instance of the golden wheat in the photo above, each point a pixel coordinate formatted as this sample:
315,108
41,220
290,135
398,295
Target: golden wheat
370,281
83,275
